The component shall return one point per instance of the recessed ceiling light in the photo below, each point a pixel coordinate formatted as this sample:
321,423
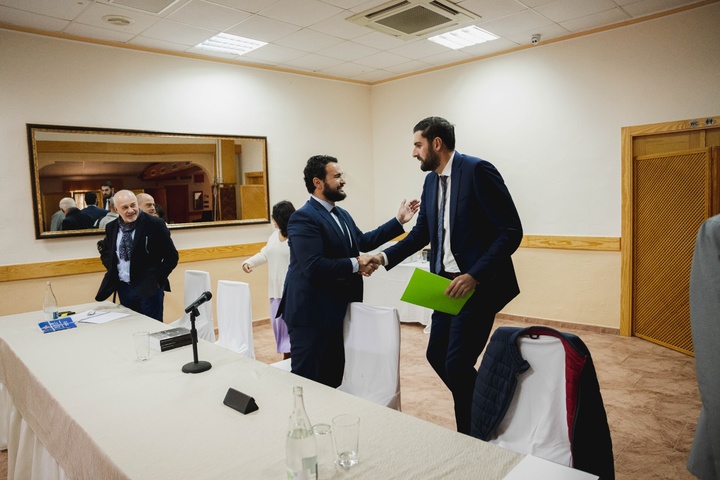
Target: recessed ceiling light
226,43
117,20
463,37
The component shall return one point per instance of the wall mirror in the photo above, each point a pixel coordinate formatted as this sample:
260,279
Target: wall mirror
197,180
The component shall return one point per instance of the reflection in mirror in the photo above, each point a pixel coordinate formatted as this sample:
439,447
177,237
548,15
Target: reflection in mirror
196,180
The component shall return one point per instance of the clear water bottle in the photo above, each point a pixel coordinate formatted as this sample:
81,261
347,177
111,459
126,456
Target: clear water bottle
300,446
50,307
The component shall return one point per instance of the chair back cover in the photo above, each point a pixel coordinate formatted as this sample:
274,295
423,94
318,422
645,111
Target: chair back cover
234,311
372,354
196,283
284,364
536,421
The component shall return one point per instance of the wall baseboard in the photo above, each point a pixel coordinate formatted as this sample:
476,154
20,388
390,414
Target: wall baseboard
556,324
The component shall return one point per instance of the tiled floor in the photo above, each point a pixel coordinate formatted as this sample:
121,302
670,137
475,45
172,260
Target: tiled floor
650,394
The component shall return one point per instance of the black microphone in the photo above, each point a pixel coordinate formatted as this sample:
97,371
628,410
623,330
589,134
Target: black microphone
201,299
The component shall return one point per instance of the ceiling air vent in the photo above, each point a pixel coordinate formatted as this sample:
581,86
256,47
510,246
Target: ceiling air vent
411,19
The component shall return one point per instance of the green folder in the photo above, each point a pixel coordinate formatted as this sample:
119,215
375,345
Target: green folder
428,290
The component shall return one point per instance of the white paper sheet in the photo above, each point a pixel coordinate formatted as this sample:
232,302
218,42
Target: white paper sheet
101,316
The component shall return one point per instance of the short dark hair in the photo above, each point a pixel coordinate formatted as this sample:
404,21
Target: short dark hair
90,198
107,183
432,127
315,168
281,212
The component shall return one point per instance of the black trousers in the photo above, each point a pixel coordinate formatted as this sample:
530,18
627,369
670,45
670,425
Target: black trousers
151,306
456,342
318,353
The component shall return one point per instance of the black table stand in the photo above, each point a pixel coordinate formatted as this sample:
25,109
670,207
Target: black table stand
195,366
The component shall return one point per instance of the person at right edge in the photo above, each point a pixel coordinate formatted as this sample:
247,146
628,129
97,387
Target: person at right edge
473,228
704,458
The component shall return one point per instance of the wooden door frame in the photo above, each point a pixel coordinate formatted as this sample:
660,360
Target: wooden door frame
628,201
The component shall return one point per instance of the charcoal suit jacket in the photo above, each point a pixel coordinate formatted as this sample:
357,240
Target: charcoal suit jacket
152,259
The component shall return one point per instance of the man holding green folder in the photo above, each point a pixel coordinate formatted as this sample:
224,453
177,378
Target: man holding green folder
469,218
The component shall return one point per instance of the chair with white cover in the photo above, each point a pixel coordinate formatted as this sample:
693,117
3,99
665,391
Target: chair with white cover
234,316
197,282
537,393
285,364
372,354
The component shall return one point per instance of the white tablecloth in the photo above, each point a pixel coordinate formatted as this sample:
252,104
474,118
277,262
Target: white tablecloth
385,287
100,414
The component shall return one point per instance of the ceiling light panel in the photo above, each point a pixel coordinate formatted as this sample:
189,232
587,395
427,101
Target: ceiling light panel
226,43
463,37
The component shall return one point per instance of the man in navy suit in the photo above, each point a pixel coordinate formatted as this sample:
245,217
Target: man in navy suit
139,255
325,271
92,210
471,244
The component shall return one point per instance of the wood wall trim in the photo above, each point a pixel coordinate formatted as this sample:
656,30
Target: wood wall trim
29,271
606,244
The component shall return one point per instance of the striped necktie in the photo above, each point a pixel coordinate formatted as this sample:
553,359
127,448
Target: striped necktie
441,225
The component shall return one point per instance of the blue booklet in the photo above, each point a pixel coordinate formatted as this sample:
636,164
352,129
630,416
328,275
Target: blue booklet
56,325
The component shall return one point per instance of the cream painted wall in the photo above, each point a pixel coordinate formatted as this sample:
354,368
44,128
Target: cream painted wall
53,81
568,286
550,119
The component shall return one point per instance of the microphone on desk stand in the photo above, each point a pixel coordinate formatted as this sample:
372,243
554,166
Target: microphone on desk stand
196,366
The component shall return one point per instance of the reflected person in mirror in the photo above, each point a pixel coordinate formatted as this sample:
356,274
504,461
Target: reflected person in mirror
469,218
74,218
92,210
111,215
58,217
139,255
108,191
326,269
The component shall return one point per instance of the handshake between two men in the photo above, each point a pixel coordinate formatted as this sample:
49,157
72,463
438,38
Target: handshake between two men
368,263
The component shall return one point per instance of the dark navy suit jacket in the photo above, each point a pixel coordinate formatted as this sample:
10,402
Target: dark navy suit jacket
485,229
320,282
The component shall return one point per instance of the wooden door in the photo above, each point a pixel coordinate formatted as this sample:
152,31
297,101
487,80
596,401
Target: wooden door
178,203
674,193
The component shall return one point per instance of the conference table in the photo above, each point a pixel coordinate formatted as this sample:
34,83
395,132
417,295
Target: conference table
78,405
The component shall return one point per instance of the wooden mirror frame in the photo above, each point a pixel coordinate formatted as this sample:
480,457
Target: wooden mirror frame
229,171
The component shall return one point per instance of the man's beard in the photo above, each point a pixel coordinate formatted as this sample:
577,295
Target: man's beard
430,163
333,195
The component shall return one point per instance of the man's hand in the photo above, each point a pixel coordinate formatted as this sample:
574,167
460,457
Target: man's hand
461,286
367,264
378,259
407,210
247,268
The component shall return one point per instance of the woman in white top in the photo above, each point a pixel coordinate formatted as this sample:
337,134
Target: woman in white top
277,255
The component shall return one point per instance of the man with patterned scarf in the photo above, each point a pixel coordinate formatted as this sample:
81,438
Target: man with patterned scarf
139,255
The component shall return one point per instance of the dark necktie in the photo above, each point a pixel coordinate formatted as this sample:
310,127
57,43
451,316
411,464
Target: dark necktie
343,227
441,225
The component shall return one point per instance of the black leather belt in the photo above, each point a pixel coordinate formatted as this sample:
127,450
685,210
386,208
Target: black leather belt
450,275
